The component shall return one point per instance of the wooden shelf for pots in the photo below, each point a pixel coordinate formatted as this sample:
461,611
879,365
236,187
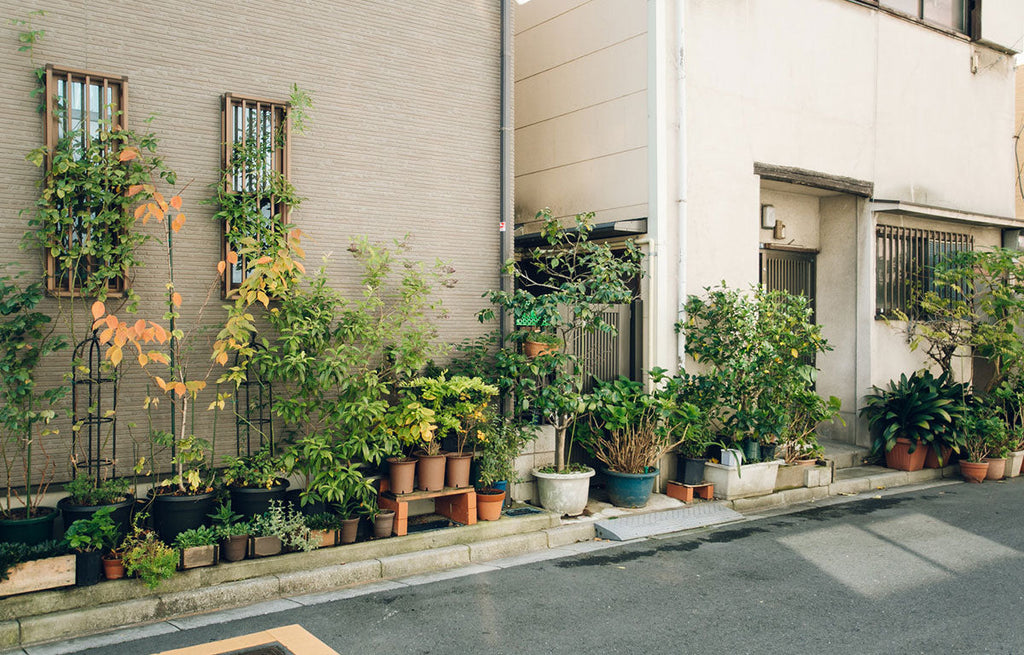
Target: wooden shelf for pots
458,505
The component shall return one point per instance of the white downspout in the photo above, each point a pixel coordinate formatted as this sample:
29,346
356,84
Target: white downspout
681,171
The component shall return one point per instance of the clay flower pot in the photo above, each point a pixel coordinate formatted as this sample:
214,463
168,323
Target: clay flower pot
233,548
349,530
996,468
901,459
383,523
488,504
430,472
401,474
973,471
931,461
457,470
535,349
113,567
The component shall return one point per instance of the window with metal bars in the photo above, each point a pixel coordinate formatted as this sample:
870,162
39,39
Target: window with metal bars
953,14
905,261
78,105
255,160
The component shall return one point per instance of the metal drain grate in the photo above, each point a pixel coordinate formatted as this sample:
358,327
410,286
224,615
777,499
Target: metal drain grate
624,528
522,511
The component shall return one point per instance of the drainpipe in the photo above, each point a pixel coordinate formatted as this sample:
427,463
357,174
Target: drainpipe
681,170
505,164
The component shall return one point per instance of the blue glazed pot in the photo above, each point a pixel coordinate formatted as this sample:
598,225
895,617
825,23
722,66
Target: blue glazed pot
502,485
630,489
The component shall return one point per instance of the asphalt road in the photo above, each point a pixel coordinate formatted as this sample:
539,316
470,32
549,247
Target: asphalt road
933,571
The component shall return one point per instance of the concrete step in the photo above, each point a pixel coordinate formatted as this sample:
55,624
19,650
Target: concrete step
624,528
845,455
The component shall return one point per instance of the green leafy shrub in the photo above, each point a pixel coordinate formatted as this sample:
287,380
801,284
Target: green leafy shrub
227,523
260,469
919,407
98,532
83,490
287,524
193,537
145,555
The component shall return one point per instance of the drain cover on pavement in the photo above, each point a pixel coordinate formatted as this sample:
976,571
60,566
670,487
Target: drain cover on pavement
624,528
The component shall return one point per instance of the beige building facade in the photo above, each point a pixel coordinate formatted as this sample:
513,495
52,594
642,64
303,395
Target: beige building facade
842,116
403,140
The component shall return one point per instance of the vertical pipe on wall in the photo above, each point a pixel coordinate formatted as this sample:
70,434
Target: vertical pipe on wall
505,164
681,170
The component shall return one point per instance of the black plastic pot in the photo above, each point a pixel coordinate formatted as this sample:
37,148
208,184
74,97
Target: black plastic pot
768,451
30,531
122,514
175,514
692,470
88,568
751,450
250,501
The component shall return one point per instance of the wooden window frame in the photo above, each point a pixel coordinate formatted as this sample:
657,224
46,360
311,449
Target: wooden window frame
282,160
51,136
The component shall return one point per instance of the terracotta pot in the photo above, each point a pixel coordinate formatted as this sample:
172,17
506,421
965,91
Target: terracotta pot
327,538
113,568
383,523
233,548
457,470
996,468
931,460
535,349
488,504
349,530
973,471
401,474
901,459
430,472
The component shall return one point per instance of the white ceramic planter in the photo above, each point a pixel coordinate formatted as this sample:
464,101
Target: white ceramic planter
1013,463
756,479
564,493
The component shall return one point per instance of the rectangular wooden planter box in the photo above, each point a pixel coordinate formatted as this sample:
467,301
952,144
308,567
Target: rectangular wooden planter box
756,479
198,556
327,538
264,546
39,574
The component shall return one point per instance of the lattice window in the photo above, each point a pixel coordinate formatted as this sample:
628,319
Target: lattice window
905,265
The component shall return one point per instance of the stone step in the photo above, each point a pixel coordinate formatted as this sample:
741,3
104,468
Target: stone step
845,455
624,528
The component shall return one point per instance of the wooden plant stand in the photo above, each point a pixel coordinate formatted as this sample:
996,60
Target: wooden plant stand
685,492
459,505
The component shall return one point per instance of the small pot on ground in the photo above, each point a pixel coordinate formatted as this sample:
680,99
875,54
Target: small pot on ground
996,468
973,471
401,474
931,460
901,459
349,530
692,469
430,472
383,523
195,557
113,567
327,538
233,548
564,493
489,502
630,489
87,568
751,450
457,470
1013,463
264,546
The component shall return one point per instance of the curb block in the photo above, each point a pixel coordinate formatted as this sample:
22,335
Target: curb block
437,559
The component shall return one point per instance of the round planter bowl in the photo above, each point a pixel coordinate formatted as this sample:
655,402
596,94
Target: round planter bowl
175,514
973,471
401,474
630,489
113,568
564,493
250,501
996,468
233,548
29,531
383,524
430,472
349,530
456,473
121,516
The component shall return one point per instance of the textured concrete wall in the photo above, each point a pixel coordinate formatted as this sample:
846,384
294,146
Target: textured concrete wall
403,140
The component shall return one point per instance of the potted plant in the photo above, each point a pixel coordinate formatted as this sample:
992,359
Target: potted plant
197,547
25,412
25,568
146,556
564,284
332,479
980,428
500,444
348,519
414,425
113,564
87,495
89,538
630,430
458,404
277,529
232,531
325,527
537,343
254,481
382,520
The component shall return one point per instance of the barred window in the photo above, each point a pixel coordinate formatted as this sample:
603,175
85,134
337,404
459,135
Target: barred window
905,265
256,162
78,105
953,14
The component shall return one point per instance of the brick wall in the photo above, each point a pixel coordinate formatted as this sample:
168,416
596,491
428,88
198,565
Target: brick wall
404,139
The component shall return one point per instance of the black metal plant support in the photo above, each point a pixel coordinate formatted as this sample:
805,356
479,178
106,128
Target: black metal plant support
93,408
253,401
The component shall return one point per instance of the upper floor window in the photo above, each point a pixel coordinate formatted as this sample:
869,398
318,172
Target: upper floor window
947,13
80,106
256,194
905,260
